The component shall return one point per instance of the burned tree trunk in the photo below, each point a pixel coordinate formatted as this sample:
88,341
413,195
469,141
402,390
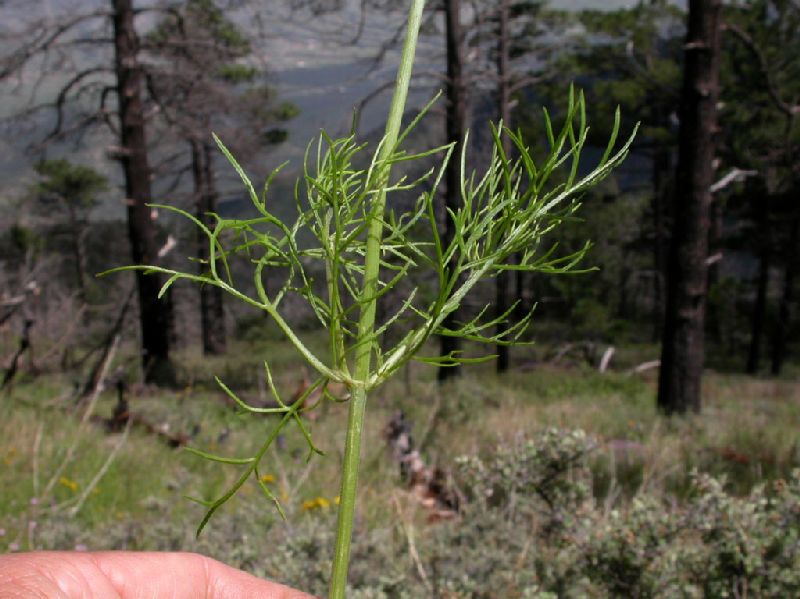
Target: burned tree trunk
762,286
504,112
109,346
456,118
77,235
779,345
24,345
682,354
759,309
658,263
212,315
154,315
662,165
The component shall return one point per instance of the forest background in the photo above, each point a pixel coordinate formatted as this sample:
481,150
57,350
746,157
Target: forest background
671,364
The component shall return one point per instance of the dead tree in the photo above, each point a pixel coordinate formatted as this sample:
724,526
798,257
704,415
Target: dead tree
682,354
503,289
212,312
67,189
455,130
785,309
24,346
762,202
154,314
51,48
429,485
196,78
108,347
517,28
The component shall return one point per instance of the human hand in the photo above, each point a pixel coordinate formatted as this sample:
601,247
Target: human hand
129,575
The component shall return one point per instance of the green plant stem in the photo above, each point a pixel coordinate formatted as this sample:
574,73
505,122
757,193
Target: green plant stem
366,325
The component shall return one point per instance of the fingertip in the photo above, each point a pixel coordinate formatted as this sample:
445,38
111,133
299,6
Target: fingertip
123,574
225,582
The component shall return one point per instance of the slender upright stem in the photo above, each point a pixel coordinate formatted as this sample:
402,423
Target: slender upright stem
503,287
366,325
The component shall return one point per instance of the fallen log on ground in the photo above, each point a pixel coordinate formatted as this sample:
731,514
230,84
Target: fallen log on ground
428,485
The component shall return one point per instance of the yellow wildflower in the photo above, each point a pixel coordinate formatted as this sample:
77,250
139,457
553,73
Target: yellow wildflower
317,503
8,459
68,483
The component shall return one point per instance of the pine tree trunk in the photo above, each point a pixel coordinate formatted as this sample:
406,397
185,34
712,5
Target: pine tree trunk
661,167
784,323
624,310
154,315
503,282
715,227
212,314
77,234
714,326
456,117
682,353
762,287
757,322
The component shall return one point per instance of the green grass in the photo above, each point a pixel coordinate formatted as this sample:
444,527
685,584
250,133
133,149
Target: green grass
748,431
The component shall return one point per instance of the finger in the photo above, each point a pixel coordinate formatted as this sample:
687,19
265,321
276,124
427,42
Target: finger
130,575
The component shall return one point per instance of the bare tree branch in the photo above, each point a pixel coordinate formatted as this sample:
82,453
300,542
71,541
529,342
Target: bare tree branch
735,175
43,40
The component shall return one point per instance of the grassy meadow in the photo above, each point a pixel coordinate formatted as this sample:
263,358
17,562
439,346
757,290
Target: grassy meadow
69,484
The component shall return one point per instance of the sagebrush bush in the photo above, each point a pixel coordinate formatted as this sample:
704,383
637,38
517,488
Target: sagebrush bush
530,527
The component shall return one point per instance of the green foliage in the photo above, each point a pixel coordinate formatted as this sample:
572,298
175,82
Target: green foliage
202,76
19,240
237,73
206,18
662,542
275,136
212,18
630,57
552,534
759,86
505,212
531,528
286,111
531,25
75,186
552,468
604,304
366,250
261,100
749,546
